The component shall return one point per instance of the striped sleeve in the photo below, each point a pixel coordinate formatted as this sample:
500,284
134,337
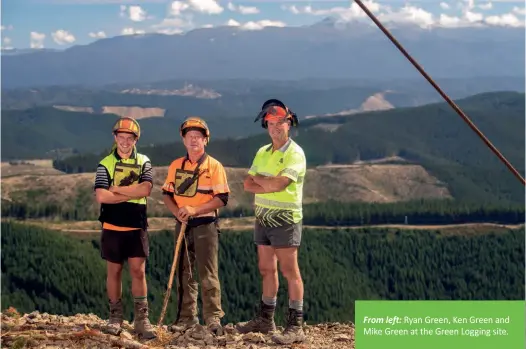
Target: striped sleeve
147,173
295,166
102,178
219,180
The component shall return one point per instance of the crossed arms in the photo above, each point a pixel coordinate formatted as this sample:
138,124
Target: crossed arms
106,194
115,195
259,184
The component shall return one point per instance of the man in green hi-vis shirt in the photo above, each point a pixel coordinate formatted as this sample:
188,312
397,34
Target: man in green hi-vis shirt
276,177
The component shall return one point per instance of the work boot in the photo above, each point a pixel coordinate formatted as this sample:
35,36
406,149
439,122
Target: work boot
263,321
214,325
184,323
116,317
293,333
141,323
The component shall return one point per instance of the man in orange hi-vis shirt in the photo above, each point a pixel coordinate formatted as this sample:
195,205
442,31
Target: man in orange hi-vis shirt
123,181
195,188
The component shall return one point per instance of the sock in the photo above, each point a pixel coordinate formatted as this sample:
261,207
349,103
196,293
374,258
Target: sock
140,299
297,305
269,301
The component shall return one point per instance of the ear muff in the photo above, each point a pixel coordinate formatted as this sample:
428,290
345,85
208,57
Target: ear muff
265,108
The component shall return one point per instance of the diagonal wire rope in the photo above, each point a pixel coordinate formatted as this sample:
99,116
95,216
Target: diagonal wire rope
442,93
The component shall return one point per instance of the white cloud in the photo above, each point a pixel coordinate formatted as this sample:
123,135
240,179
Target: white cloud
63,37
9,27
97,35
6,43
96,2
473,17
233,23
137,14
255,25
37,40
131,31
449,21
244,10
172,26
486,6
171,22
210,7
346,13
177,7
508,19
411,14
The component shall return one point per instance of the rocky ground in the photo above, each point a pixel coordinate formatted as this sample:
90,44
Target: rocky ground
36,330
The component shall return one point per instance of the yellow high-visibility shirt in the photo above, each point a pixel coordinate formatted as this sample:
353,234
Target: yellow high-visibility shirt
284,207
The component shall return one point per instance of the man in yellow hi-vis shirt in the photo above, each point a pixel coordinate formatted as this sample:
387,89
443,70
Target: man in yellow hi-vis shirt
276,177
123,182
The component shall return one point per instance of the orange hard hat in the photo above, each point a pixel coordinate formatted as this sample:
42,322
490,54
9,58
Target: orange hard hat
196,123
274,109
129,125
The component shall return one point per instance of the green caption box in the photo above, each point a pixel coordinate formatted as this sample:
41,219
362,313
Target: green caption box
440,324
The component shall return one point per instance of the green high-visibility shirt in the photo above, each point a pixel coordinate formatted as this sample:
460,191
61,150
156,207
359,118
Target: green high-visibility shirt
284,207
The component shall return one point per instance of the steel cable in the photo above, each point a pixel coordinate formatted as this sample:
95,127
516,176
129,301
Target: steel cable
442,93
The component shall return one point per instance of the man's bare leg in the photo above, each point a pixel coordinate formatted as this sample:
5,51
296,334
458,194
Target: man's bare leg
288,263
268,268
138,276
114,281
264,320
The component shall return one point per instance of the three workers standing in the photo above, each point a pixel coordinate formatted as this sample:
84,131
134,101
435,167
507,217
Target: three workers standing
195,188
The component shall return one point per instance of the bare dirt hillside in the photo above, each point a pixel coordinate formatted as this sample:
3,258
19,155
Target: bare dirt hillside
374,102
134,112
36,330
74,108
361,182
28,167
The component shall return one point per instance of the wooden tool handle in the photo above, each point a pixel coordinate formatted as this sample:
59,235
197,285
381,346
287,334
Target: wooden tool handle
177,249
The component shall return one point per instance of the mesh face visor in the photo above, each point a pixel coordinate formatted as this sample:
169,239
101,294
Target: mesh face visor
273,113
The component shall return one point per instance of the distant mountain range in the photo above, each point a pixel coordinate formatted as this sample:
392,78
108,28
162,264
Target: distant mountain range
323,50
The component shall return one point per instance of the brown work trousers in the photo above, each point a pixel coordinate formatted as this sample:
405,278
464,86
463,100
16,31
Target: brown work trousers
203,244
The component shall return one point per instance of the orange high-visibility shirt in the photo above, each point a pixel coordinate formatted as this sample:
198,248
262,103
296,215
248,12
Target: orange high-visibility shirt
211,181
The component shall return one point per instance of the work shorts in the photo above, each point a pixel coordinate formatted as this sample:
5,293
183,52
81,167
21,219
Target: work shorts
288,235
118,246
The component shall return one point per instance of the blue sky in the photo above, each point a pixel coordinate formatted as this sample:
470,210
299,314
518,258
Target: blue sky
63,23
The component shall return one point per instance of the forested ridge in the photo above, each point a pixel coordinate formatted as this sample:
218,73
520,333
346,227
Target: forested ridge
47,271
330,213
432,135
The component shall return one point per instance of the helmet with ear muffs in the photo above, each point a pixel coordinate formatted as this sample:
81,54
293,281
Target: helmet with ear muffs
268,108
